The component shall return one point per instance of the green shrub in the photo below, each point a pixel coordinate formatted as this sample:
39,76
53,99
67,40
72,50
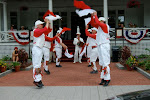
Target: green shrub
143,56
6,58
16,64
9,66
147,66
142,63
148,50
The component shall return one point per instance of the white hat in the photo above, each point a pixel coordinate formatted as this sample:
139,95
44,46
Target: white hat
102,19
94,29
78,33
38,22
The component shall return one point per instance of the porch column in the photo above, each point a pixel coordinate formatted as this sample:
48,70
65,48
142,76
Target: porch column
105,10
5,16
0,19
50,7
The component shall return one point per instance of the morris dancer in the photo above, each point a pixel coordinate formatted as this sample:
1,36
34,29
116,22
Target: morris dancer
77,42
58,48
93,45
38,43
103,42
89,48
46,52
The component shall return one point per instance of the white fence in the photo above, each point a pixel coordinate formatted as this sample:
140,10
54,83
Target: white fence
7,43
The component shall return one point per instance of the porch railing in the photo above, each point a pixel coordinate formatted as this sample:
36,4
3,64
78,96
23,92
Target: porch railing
6,36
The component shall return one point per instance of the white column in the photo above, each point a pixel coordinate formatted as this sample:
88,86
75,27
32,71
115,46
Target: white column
50,7
0,19
106,10
5,16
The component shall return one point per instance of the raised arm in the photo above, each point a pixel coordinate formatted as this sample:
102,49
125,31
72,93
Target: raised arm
48,31
93,22
102,25
90,35
39,32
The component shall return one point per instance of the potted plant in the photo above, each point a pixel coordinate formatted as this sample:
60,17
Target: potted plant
125,54
131,63
3,66
17,66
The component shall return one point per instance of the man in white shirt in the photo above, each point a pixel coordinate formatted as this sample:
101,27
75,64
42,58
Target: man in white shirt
103,43
92,44
78,42
58,48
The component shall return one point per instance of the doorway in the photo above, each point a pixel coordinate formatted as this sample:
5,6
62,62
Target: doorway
77,21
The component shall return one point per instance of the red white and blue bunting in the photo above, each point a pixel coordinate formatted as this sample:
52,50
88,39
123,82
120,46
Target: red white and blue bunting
21,37
134,36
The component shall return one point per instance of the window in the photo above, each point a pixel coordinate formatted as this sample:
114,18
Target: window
41,14
13,19
121,18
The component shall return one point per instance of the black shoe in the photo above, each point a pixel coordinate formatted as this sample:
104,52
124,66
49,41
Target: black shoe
47,72
102,82
89,65
106,83
94,72
41,83
38,84
58,66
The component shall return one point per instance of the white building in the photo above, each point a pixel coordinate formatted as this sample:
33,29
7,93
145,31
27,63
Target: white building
26,12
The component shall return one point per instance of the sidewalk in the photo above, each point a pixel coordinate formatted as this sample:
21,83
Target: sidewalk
66,92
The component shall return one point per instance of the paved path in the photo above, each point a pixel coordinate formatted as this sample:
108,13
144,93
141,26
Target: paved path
71,82
66,92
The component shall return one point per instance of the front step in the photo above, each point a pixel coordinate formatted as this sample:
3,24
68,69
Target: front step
71,49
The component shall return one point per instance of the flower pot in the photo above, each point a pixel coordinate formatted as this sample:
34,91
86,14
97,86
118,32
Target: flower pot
3,69
128,67
17,68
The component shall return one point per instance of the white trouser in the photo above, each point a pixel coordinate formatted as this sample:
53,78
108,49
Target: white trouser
46,57
104,54
93,57
36,61
77,52
107,75
89,49
58,55
52,57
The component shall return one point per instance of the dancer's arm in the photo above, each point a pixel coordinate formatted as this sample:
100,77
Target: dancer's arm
90,35
102,25
93,22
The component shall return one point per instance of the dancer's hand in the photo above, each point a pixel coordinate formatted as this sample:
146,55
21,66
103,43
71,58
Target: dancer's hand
95,13
65,47
87,26
45,20
57,35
